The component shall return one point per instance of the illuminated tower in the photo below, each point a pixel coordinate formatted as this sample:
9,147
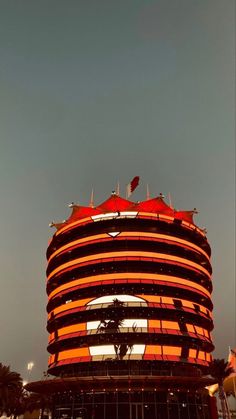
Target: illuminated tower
129,312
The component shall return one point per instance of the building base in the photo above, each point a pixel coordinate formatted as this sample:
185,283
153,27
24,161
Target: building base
128,397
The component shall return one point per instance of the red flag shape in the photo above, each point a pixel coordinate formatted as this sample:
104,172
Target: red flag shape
132,185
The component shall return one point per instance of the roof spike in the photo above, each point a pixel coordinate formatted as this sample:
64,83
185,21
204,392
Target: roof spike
91,204
148,193
57,225
118,188
170,202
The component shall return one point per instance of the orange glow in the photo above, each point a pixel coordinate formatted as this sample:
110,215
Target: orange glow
187,304
190,328
153,349
150,298
201,355
172,350
208,357
154,323
170,325
149,350
206,333
71,329
167,300
127,276
70,225
51,359
68,329
126,235
139,254
73,353
51,337
199,330
78,242
74,224
192,353
73,304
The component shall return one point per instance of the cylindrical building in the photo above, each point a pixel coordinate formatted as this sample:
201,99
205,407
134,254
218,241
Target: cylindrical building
129,312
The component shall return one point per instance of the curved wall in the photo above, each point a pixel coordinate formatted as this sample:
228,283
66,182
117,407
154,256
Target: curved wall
128,286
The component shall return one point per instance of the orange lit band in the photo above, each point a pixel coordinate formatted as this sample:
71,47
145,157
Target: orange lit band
130,276
153,326
153,216
127,235
124,254
148,298
156,352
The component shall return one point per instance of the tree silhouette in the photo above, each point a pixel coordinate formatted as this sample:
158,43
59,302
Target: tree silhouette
113,325
10,388
219,369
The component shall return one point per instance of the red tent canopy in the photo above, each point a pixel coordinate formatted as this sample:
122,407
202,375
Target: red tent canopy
156,205
115,203
185,215
79,212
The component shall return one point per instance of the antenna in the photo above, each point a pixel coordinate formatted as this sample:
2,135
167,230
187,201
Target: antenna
170,202
118,188
91,204
148,193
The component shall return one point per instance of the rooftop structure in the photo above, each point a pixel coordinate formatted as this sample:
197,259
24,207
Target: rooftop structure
129,311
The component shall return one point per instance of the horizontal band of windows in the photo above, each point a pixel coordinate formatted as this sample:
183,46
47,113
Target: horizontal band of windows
120,215
150,325
130,340
129,277
128,235
100,353
122,267
68,307
56,367
161,306
148,246
116,256
138,224
129,330
107,248
167,312
147,299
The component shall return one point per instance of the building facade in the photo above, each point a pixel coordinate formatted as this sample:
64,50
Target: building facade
129,313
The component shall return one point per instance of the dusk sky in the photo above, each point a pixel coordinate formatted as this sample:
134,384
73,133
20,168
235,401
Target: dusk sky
93,92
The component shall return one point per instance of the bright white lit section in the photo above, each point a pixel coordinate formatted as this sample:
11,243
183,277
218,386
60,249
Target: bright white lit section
110,299
110,350
109,215
138,349
114,233
105,216
131,214
135,323
93,325
126,323
102,350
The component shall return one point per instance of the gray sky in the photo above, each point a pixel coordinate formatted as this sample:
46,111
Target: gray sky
96,91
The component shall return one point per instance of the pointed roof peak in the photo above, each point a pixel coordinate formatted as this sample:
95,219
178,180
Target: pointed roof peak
115,203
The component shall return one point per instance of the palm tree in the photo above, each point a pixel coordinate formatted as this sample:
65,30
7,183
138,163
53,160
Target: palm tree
33,401
113,326
10,387
219,369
